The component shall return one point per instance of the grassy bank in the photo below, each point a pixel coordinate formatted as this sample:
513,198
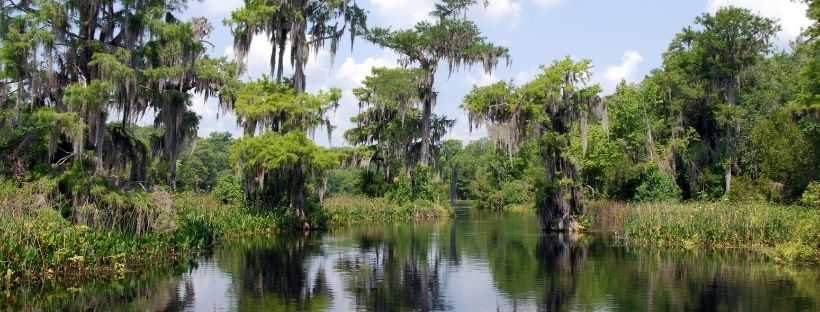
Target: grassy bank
791,233
350,209
40,245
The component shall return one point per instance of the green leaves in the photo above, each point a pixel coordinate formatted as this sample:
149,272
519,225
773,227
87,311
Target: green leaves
267,105
280,153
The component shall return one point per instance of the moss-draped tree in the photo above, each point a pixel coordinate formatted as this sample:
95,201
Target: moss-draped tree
545,109
389,121
71,65
301,26
451,39
276,157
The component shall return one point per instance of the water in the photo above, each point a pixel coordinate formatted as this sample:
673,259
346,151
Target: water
478,261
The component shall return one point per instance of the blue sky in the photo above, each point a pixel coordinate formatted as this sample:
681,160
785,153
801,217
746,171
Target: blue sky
624,39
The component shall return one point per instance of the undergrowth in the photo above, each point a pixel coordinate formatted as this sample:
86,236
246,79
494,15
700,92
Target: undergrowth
791,233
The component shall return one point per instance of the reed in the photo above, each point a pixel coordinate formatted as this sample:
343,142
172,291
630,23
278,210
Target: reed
791,232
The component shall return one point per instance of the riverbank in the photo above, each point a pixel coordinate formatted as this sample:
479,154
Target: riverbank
42,246
788,233
349,209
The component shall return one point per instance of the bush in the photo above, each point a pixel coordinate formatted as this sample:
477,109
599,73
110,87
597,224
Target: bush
402,191
373,184
351,209
657,187
517,192
811,197
228,190
421,179
344,181
744,189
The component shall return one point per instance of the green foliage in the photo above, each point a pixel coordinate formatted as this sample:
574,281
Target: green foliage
811,197
402,190
421,183
204,162
517,192
657,186
345,181
756,190
228,190
792,231
372,183
354,209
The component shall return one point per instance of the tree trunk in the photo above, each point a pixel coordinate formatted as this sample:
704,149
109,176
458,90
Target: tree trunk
557,210
454,184
731,99
427,110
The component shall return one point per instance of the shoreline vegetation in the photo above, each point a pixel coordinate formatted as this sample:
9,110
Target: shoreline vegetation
786,233
42,246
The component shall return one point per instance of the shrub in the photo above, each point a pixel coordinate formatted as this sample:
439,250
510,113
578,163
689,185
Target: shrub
228,190
744,189
421,179
517,192
657,187
373,184
402,191
344,181
811,196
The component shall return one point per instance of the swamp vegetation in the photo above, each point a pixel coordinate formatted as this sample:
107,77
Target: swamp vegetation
717,147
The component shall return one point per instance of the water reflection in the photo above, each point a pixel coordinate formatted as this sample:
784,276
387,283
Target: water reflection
478,262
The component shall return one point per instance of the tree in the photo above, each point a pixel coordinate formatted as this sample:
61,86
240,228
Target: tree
202,164
730,41
546,109
76,62
452,39
301,26
278,163
389,122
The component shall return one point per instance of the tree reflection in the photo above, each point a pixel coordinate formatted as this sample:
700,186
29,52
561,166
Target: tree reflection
401,273
562,257
273,275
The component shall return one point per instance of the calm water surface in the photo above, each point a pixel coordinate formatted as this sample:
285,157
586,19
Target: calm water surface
478,261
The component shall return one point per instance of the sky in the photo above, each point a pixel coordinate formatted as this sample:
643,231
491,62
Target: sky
624,39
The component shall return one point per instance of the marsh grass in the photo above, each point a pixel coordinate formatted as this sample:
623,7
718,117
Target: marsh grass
351,209
792,233
40,245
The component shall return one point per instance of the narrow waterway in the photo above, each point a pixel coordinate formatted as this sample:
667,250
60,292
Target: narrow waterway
477,261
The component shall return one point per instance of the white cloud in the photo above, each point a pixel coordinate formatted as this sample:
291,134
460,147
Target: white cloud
402,13
527,75
501,12
545,4
791,14
351,72
627,68
221,7
482,80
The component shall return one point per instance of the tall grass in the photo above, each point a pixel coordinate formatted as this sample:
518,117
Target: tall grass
350,209
39,244
793,232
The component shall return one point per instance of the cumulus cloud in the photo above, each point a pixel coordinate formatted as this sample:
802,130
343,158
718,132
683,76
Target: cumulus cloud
527,75
402,13
482,79
500,12
791,14
545,4
221,7
625,70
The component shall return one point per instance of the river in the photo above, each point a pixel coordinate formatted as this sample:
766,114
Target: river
476,261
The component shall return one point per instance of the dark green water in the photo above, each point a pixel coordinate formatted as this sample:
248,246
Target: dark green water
474,262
